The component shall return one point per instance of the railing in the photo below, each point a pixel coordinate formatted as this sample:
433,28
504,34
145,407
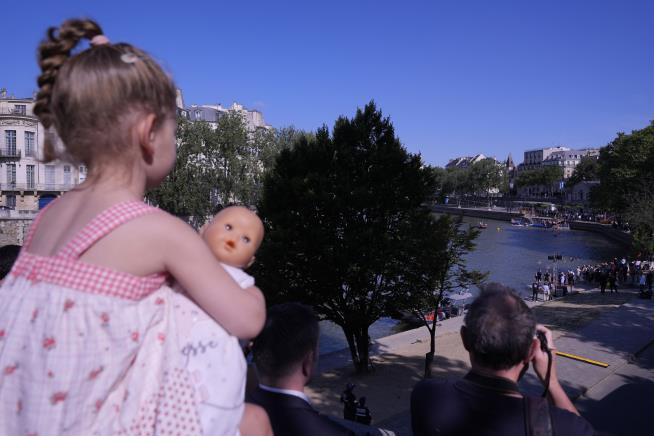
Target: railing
10,152
36,186
16,112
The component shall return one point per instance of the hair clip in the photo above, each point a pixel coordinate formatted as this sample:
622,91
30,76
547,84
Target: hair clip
129,58
99,40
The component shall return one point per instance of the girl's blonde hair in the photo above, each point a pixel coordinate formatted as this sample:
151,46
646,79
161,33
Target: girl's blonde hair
91,97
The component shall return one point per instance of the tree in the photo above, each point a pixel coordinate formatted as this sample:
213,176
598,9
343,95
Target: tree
625,174
345,214
457,182
587,169
547,176
485,176
222,165
622,166
186,192
449,244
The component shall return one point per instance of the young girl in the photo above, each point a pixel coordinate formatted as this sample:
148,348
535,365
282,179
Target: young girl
91,338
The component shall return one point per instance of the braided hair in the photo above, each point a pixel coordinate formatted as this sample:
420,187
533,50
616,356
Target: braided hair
88,99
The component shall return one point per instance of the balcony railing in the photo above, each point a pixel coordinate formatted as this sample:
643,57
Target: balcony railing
10,152
55,187
16,112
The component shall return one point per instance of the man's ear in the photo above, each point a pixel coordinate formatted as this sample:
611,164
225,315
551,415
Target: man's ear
464,339
145,135
533,348
308,363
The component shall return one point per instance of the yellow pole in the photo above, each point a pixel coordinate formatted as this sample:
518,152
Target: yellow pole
581,359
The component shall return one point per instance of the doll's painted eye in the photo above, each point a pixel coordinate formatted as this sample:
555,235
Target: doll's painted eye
228,227
246,239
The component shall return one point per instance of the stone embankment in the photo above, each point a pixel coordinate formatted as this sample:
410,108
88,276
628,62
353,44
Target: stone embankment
490,214
607,230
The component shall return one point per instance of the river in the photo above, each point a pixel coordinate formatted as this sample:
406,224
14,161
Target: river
511,255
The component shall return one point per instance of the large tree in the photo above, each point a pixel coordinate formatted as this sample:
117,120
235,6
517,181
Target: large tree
186,192
587,169
219,165
547,176
345,215
626,174
485,176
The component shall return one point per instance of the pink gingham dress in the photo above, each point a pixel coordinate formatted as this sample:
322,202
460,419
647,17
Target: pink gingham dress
86,349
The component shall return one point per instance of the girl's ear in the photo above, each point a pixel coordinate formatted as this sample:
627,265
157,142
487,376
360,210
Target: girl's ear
146,135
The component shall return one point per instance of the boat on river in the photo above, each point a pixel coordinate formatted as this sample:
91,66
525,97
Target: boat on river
521,222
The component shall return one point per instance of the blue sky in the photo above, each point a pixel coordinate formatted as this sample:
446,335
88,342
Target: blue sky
456,77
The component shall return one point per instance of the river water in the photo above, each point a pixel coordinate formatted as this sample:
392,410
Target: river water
511,255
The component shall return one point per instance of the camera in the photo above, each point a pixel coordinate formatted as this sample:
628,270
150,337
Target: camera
543,340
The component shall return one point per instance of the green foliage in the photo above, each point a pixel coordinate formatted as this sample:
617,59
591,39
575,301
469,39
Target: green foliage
623,164
481,178
187,189
547,175
449,244
626,173
345,220
222,165
485,175
587,169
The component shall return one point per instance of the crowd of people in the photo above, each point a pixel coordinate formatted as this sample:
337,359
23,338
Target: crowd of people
607,276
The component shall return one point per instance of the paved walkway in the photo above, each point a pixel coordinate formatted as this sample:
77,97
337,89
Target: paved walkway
616,400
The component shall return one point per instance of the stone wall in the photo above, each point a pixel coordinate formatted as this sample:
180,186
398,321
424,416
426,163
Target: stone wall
477,213
603,229
13,230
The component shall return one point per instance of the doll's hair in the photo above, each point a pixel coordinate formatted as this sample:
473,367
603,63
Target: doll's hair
90,98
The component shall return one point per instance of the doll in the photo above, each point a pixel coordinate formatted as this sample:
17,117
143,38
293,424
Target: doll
234,236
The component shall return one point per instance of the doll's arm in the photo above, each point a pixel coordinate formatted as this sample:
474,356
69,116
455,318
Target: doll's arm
188,258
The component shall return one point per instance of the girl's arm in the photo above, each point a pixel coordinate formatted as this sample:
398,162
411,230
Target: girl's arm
188,258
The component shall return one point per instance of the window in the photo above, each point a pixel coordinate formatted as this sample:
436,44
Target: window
49,176
10,142
82,173
20,109
198,115
30,149
11,201
11,175
30,176
67,181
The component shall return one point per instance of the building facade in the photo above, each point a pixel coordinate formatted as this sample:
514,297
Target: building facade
253,119
569,159
27,184
533,159
581,192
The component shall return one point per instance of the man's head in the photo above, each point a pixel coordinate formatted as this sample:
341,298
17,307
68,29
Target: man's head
287,347
234,235
499,329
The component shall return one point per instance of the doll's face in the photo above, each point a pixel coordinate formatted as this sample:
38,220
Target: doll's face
234,236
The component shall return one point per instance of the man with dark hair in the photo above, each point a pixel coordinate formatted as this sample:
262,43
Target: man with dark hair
500,335
285,353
